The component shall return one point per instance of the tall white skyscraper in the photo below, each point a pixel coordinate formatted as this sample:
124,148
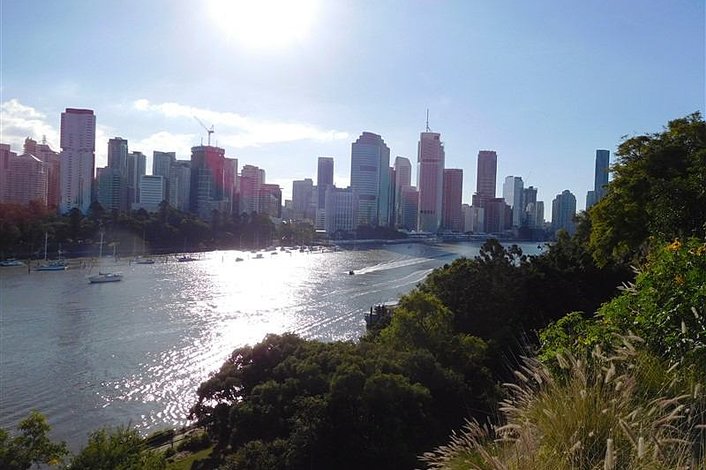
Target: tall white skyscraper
430,180
77,159
370,179
513,192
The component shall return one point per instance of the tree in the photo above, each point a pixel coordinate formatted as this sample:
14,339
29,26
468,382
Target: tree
31,446
484,294
657,192
117,449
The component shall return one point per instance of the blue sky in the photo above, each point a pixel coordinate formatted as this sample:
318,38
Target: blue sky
544,83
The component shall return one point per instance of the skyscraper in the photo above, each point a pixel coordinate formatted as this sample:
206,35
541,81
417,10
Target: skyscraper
302,194
180,185
486,177
136,169
251,180
430,181
409,208
324,178
111,190
563,212
207,181
403,178
6,154
513,193
26,178
77,160
51,158
230,185
600,178
370,179
152,192
341,210
117,154
162,163
453,192
161,166
111,181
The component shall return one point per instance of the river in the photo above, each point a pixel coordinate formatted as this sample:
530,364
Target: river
134,352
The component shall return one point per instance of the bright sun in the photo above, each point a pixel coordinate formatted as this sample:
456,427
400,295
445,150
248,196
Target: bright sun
264,24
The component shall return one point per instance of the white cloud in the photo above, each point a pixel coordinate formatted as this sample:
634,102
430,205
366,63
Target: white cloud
18,121
243,131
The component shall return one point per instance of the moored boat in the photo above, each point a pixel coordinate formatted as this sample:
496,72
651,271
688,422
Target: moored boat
56,265
9,262
105,277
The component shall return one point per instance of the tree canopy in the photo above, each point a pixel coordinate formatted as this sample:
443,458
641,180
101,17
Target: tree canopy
658,192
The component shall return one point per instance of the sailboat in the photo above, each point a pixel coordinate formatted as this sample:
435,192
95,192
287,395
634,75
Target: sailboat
142,259
103,277
53,265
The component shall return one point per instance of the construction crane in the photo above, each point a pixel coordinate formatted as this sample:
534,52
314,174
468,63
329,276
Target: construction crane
210,131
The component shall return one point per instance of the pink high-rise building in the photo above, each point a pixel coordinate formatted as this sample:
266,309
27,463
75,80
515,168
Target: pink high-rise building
24,178
430,181
78,146
486,177
251,180
453,192
51,159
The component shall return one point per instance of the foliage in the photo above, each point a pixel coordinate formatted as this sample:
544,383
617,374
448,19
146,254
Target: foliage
657,192
23,228
194,443
32,445
195,461
504,294
116,449
289,403
600,411
664,306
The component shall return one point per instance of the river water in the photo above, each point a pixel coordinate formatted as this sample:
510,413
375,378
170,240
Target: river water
134,352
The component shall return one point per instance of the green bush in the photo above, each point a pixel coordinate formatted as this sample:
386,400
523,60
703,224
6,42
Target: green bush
665,306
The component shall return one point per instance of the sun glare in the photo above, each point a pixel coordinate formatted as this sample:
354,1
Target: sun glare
264,24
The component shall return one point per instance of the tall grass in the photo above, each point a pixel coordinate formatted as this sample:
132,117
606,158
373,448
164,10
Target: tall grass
619,410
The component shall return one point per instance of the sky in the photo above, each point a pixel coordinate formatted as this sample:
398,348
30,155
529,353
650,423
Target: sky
543,83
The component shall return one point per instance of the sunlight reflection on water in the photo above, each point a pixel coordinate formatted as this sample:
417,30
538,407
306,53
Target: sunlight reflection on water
135,351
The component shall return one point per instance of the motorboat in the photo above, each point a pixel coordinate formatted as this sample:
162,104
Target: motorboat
185,258
258,256
105,277
55,265
143,260
238,259
9,262
351,272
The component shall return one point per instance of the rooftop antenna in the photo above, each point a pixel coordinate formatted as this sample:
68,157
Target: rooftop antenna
210,131
428,130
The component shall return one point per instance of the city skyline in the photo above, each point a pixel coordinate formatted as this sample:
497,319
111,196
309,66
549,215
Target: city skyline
544,85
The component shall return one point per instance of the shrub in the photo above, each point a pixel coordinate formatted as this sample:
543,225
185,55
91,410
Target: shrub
596,413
